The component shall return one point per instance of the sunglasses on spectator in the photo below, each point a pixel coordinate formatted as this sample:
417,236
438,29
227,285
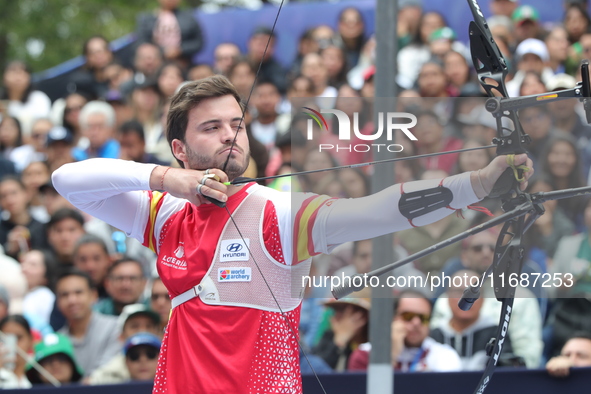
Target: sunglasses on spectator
409,316
135,353
480,247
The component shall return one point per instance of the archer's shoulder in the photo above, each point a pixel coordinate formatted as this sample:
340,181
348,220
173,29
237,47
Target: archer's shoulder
289,201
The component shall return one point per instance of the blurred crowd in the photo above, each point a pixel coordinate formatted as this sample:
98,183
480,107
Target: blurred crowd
85,302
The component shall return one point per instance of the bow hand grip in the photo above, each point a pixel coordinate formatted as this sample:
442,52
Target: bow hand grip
504,184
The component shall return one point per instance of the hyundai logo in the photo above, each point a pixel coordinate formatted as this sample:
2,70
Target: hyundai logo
234,248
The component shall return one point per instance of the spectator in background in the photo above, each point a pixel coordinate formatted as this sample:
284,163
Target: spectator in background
351,34
24,102
531,55
225,54
440,42
71,119
52,201
306,44
314,68
531,84
11,136
56,354
160,302
200,71
18,325
145,102
526,328
141,356
133,143
120,104
147,61
265,99
33,176
412,57
412,348
261,53
117,74
93,334
576,21
430,136
567,120
348,329
125,284
92,257
20,232
468,332
59,147
335,60
176,32
503,7
409,17
64,229
4,302
169,78
35,149
134,319
97,121
576,352
561,163
91,79
456,70
40,271
537,123
526,19
242,75
557,43
432,81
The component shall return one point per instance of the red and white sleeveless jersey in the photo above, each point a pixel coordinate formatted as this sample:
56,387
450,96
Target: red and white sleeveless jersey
256,349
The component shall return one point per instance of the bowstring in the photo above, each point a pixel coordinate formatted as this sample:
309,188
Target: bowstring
232,218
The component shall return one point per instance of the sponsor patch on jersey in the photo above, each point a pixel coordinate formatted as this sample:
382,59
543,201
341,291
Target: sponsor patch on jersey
234,274
234,250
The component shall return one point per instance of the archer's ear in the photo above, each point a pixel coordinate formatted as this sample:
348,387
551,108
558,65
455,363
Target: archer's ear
178,150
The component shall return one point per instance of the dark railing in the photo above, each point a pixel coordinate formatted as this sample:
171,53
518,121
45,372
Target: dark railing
505,381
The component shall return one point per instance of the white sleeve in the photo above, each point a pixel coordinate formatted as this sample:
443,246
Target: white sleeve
363,218
109,189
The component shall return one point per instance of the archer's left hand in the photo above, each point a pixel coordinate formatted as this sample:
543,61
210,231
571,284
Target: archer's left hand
484,180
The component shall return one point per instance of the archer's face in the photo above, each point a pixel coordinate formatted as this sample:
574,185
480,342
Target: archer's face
210,131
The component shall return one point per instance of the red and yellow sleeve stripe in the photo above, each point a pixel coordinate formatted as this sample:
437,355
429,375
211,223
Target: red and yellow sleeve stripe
156,199
303,245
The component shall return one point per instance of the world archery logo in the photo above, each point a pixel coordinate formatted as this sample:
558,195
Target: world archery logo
317,116
224,274
234,274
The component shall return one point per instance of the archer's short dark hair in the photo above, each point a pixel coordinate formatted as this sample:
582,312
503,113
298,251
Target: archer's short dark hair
190,96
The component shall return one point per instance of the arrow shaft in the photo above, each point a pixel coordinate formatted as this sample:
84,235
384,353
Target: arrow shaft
241,181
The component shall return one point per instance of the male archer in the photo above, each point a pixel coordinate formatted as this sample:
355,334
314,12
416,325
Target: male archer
233,327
